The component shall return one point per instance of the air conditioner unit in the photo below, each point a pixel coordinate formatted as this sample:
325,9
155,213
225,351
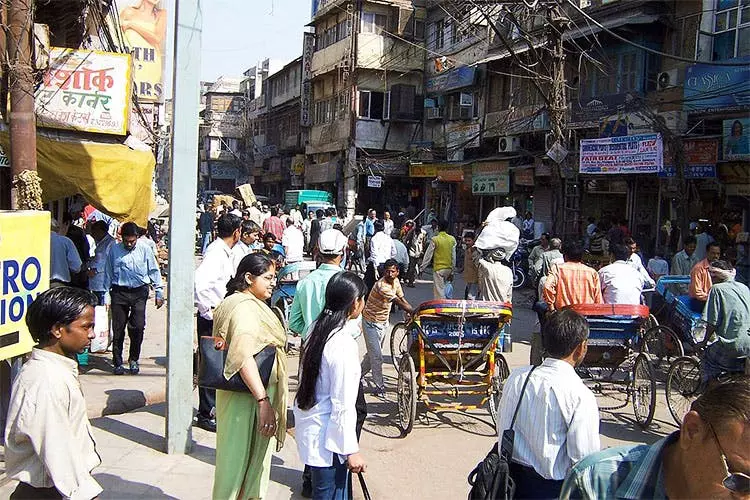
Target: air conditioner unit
433,113
666,79
508,144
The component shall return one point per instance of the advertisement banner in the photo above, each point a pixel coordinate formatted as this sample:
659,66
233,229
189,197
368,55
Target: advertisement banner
144,27
523,176
25,270
737,139
635,154
298,165
490,178
709,88
701,156
450,80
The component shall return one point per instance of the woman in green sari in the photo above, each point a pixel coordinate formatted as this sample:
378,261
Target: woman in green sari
249,422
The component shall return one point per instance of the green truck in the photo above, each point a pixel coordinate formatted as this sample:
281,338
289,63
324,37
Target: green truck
314,199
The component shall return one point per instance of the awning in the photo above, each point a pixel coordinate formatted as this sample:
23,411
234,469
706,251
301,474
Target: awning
112,177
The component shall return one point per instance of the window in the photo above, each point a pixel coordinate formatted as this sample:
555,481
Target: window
374,105
374,23
439,37
463,106
333,34
499,91
625,72
731,29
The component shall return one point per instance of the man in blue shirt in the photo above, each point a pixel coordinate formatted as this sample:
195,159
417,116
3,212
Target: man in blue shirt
709,457
130,269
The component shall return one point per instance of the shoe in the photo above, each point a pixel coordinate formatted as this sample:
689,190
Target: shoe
207,424
134,368
119,370
306,490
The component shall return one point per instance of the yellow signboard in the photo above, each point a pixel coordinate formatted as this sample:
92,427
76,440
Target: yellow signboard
24,271
144,26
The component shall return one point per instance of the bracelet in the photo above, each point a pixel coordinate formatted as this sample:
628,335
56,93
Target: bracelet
264,398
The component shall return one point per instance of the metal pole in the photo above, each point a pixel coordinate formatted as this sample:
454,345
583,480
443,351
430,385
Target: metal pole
184,183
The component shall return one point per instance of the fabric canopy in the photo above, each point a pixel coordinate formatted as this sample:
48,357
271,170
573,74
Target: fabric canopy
112,177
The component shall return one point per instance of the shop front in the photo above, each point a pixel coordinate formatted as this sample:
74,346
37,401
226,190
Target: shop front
387,186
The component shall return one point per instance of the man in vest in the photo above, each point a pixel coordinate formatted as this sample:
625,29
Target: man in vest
442,254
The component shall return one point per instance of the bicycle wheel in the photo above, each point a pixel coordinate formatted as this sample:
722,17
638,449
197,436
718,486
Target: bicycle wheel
683,386
407,394
496,386
662,343
518,277
644,391
399,343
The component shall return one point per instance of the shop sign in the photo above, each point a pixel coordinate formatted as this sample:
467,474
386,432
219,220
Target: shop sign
85,90
633,154
263,152
298,165
523,176
737,138
305,100
450,80
308,47
377,167
490,178
423,170
701,156
25,274
734,173
542,169
450,174
600,106
321,173
219,171
738,190
374,181
4,161
691,171
463,136
709,88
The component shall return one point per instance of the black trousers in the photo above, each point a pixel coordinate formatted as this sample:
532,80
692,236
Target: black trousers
206,397
529,484
27,492
128,310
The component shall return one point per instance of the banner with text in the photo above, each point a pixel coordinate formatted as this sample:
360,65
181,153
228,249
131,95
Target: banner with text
144,26
490,178
635,154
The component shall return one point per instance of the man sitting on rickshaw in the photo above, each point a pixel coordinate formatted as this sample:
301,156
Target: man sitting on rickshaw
621,282
700,279
727,315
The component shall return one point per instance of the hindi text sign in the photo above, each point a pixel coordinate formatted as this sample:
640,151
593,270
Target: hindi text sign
634,154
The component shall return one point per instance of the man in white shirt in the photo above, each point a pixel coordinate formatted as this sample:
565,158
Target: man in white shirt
558,418
211,280
236,209
381,249
248,242
293,242
402,253
64,258
387,223
255,214
49,447
636,261
621,282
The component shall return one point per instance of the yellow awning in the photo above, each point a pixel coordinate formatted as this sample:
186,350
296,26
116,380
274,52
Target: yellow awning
112,177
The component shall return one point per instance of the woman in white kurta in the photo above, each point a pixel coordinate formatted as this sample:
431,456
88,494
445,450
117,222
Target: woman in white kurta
325,412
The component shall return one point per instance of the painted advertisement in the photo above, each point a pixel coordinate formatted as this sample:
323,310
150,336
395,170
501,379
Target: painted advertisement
737,139
144,26
635,154
490,178
85,90
25,274
709,88
701,156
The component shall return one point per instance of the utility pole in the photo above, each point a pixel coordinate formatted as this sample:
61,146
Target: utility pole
184,182
26,192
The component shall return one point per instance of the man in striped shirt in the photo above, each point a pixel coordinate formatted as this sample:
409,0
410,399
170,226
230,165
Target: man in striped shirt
558,418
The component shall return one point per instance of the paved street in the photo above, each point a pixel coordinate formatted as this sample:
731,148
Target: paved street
431,462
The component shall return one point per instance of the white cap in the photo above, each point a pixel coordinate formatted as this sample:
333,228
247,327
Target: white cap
332,242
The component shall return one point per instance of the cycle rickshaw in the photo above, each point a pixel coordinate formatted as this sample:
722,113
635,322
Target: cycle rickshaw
451,348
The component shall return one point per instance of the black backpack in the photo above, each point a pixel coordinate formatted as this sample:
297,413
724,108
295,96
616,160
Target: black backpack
491,480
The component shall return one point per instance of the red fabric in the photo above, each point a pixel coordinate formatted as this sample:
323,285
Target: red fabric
611,310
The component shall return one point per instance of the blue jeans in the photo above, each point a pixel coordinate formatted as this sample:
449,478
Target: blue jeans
100,296
330,483
205,240
373,359
715,362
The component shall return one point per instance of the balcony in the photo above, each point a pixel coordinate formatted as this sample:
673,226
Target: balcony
330,58
375,51
328,137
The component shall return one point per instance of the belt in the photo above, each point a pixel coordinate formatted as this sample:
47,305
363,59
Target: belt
127,288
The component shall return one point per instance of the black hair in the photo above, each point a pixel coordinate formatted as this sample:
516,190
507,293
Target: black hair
253,263
100,225
469,234
129,229
249,227
713,244
56,306
289,222
378,225
722,264
573,251
343,289
274,211
621,252
227,224
690,240
319,213
338,227
628,241
67,217
390,263
269,236
443,225
563,332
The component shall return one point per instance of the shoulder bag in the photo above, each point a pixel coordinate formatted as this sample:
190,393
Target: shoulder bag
213,356
490,480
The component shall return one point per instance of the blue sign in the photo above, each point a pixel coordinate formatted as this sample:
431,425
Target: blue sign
710,88
691,171
451,80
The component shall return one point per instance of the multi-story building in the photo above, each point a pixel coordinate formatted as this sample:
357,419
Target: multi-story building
363,84
222,166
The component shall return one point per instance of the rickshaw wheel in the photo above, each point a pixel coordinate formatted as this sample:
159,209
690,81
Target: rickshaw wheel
399,343
407,394
496,386
644,390
683,386
662,343
519,278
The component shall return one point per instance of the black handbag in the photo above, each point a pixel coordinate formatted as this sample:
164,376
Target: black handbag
213,357
491,479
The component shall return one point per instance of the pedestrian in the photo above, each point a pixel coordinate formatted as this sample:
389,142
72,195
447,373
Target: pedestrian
206,228
236,211
327,398
707,457
249,242
590,230
552,256
700,278
615,234
75,234
621,282
402,254
315,231
64,259
370,226
702,239
250,424
49,446
211,278
293,242
441,253
306,226
536,257
557,421
104,243
495,279
388,223
527,227
414,241
684,260
360,237
636,261
274,224
571,282
381,249
130,270
657,266
471,276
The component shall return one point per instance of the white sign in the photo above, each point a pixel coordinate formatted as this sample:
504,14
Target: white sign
557,152
85,90
374,181
634,154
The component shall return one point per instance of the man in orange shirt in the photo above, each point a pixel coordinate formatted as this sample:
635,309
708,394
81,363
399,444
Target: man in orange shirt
700,279
572,282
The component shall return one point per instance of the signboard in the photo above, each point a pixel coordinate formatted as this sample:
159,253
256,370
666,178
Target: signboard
450,80
220,171
701,156
709,88
463,136
523,176
321,173
600,106
490,178
4,160
85,90
622,155
737,139
305,103
635,123
374,181
298,165
25,271
423,170
308,47
144,28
